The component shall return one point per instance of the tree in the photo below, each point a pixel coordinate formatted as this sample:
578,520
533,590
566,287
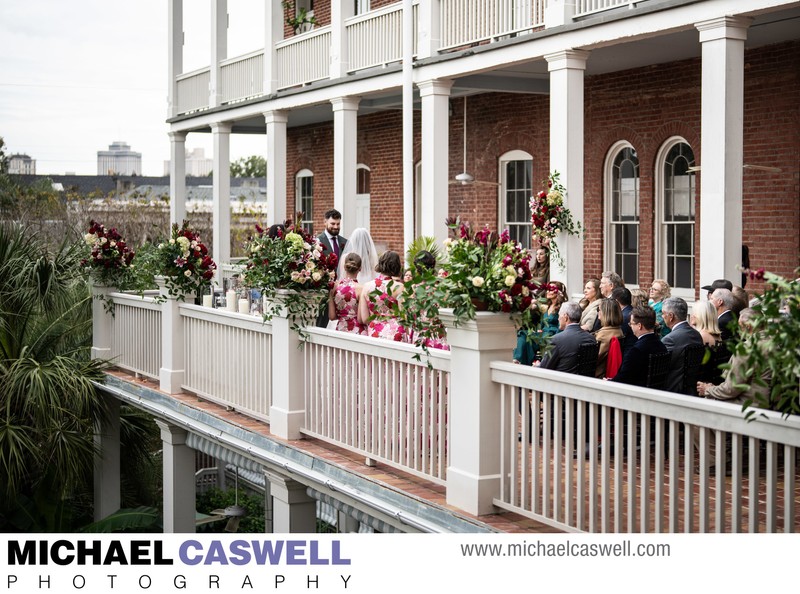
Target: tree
48,399
3,158
252,166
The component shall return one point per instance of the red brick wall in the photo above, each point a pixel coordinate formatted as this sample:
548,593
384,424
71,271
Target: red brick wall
645,106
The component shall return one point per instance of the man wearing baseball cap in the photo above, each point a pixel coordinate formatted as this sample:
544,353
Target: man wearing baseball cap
720,283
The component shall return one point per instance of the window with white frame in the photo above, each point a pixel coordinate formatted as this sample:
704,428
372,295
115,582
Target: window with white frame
304,197
516,187
622,212
675,208
361,6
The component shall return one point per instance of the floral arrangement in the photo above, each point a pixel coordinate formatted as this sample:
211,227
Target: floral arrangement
292,259
481,271
110,257
550,216
184,263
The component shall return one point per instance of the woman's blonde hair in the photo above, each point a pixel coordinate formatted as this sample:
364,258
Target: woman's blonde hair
611,313
705,317
638,297
666,290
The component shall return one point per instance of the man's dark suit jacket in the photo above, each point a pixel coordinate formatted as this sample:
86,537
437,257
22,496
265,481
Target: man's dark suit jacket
724,322
628,337
681,336
634,364
564,353
327,248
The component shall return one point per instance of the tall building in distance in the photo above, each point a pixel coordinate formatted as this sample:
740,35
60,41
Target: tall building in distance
21,164
197,164
119,159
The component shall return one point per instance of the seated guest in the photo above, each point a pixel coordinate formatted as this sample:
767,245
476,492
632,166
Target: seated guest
741,299
556,294
724,302
590,303
610,321
639,297
563,355
622,295
738,385
704,320
659,291
681,335
635,362
609,281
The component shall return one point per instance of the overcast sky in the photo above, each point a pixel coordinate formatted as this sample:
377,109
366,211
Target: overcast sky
77,75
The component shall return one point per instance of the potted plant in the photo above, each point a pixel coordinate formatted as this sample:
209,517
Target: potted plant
182,263
289,267
109,258
298,19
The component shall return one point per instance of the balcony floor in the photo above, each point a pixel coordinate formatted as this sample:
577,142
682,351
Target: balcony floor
433,494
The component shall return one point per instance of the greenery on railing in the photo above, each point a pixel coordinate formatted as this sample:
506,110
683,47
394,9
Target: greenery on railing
773,348
297,18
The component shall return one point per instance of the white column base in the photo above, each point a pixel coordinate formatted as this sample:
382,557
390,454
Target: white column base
473,494
286,423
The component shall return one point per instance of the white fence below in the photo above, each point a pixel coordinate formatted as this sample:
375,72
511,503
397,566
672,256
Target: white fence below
136,334
587,455
371,397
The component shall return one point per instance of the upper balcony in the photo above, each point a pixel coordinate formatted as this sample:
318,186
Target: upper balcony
375,40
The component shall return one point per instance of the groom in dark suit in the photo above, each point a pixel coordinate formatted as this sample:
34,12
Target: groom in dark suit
634,364
331,242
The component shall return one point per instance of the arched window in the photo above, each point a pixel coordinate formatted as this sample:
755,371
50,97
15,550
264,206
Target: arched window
362,196
304,197
622,212
675,216
516,187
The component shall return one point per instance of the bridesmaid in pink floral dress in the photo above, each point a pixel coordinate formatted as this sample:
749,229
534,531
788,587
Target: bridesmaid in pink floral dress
343,300
376,311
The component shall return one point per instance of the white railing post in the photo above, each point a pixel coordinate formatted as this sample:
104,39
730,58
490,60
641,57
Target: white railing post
173,365
287,413
175,64
559,12
429,32
473,476
273,33
101,323
219,50
340,52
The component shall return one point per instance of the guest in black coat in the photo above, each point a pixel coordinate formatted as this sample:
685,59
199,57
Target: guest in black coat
563,355
334,243
623,297
675,311
634,364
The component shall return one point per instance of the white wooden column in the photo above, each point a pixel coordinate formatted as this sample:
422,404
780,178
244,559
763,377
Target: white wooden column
559,12
721,151
473,477
177,177
276,166
428,28
221,209
340,58
102,322
293,511
345,144
287,413
179,482
173,359
273,33
566,152
434,202
219,50
107,462
175,50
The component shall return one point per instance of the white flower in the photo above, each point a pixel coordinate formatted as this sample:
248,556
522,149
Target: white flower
187,272
172,241
302,280
103,241
316,276
90,238
510,281
294,276
310,265
558,231
525,291
306,246
448,243
477,281
554,220
113,243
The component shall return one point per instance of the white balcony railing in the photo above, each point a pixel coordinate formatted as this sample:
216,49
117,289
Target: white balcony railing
193,90
464,22
584,7
243,77
304,58
371,397
136,334
375,38
604,457
228,359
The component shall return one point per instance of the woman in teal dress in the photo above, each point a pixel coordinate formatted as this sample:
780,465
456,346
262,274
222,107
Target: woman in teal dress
556,294
659,290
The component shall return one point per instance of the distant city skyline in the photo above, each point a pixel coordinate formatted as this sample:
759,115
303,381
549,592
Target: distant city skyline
81,78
